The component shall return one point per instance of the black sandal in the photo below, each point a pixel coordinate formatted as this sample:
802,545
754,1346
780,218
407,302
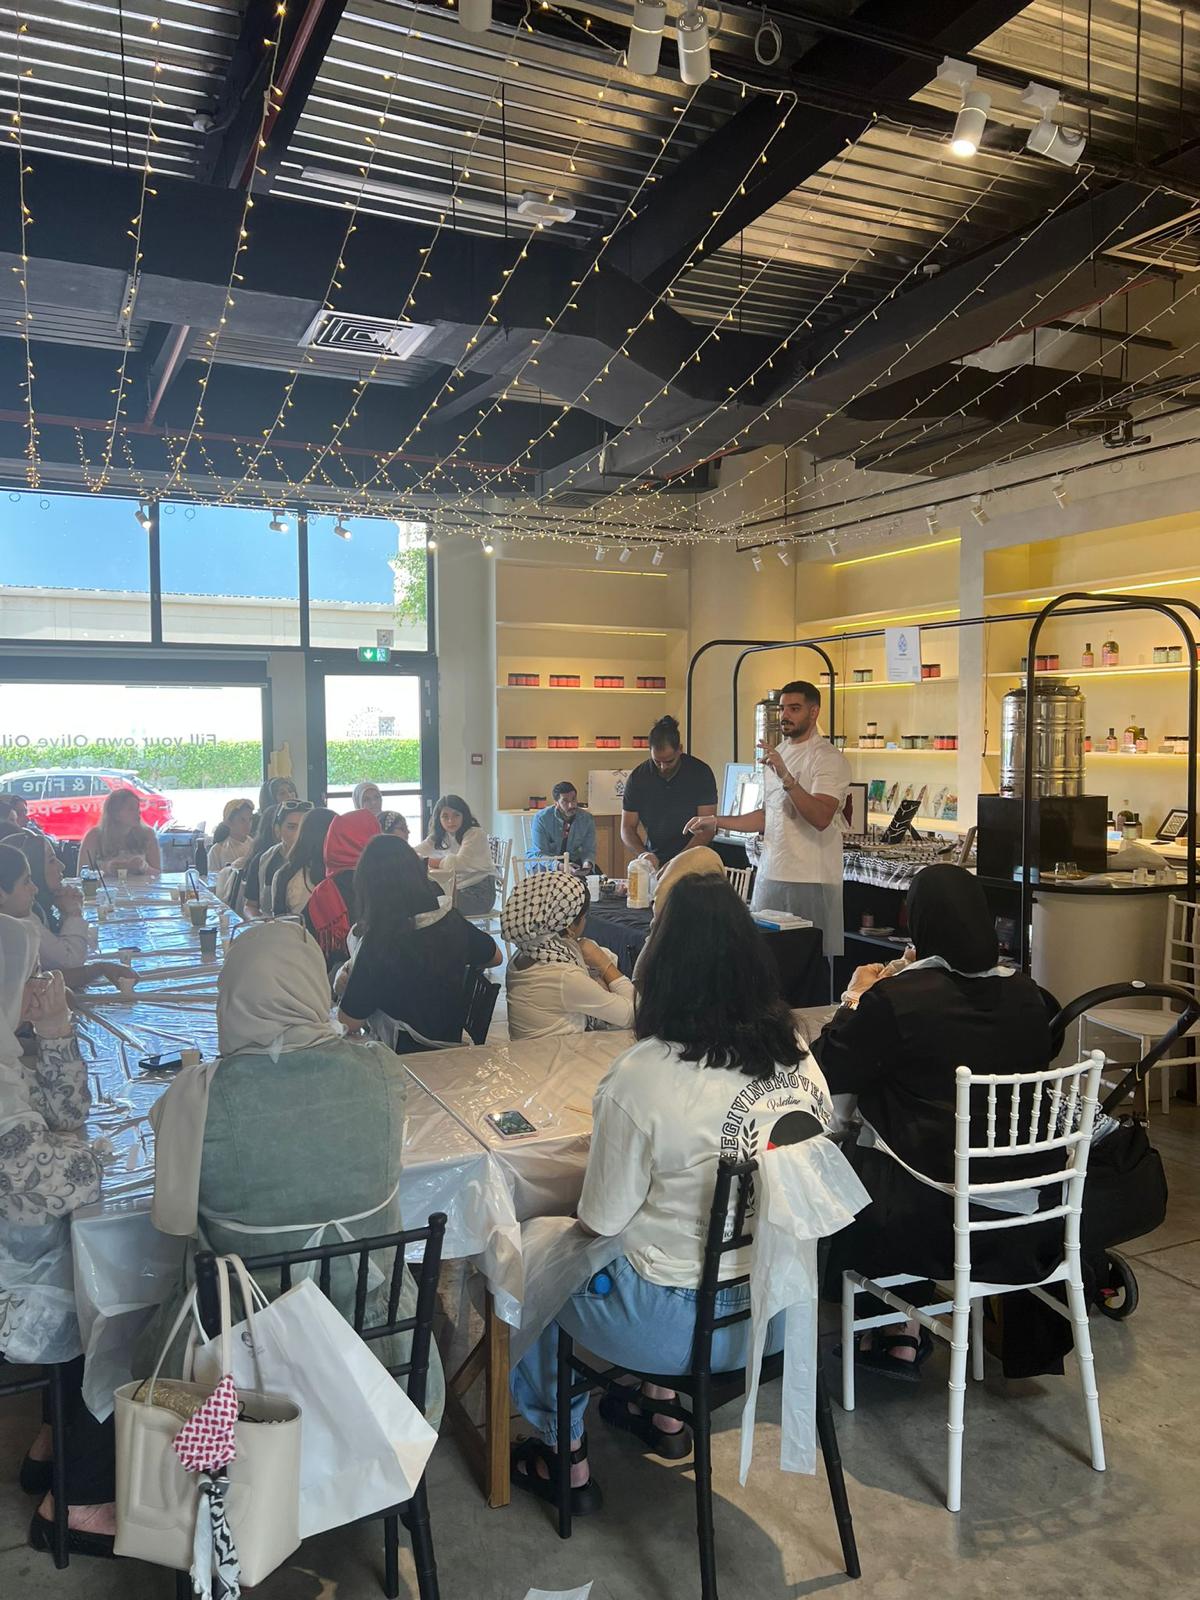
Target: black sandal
528,1452
36,1477
79,1542
879,1357
614,1408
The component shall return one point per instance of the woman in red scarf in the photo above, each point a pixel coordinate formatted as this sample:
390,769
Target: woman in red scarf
330,912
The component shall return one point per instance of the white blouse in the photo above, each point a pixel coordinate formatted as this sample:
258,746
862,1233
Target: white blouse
231,853
66,948
549,998
469,862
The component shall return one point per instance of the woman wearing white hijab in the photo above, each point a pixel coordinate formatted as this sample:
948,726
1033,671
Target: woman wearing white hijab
292,1137
46,1172
558,981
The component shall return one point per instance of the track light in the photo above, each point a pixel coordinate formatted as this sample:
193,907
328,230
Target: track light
977,510
475,15
599,552
1058,488
656,560
785,559
931,521
623,558
972,116
142,514
341,531
756,561
489,549
645,37
1048,137
278,523
692,38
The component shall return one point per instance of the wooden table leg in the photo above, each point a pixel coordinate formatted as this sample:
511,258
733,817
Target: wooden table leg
498,1486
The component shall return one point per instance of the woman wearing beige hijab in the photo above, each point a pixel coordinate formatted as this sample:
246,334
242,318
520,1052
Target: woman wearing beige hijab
293,1137
695,863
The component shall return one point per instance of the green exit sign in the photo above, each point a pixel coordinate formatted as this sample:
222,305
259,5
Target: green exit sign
374,652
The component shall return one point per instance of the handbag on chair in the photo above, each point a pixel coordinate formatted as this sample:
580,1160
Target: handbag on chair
159,1502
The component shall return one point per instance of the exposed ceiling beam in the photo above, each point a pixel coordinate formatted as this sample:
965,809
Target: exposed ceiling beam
679,212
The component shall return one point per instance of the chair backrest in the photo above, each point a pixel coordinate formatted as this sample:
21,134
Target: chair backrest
416,1369
1181,962
739,878
726,1233
1050,1114
522,866
501,854
482,994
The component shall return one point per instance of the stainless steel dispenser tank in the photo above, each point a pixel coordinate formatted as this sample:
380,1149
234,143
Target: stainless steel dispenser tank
766,725
1058,713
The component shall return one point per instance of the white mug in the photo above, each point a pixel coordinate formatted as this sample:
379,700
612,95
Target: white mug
593,886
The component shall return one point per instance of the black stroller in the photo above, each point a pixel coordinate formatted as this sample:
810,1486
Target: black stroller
1126,1192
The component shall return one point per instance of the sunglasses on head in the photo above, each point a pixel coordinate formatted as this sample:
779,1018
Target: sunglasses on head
290,807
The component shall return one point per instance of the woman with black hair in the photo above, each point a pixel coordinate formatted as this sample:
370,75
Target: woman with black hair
459,858
266,836
304,865
718,1070
274,792
58,908
415,951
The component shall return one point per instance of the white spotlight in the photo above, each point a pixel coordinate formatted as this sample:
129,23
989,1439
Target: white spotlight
623,558
692,37
341,531
784,558
599,552
969,124
645,37
431,542
489,549
278,523
143,517
972,117
1048,137
1058,487
931,521
977,510
475,15
756,561
656,560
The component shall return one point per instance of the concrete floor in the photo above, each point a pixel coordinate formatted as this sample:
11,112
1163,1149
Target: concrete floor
1037,1520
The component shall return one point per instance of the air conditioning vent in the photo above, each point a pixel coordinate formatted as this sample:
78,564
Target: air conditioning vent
1173,244
340,330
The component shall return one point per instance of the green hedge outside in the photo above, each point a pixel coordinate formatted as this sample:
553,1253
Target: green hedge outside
227,763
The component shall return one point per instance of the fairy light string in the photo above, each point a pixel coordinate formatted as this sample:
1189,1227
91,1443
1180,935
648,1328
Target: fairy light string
33,475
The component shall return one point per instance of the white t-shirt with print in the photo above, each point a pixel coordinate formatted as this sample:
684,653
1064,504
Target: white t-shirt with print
661,1125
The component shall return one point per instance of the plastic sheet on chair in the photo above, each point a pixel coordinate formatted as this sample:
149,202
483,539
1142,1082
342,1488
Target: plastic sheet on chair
560,1594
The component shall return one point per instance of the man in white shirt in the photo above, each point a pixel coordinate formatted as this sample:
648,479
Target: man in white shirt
805,782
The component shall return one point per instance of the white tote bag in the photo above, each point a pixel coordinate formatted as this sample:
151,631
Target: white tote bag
365,1444
157,1501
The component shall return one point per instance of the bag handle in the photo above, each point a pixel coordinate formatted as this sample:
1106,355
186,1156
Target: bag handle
251,1293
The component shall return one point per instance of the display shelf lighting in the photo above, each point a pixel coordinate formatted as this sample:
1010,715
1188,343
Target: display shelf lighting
695,67
341,531
1058,488
890,555
143,517
977,510
656,560
623,558
784,557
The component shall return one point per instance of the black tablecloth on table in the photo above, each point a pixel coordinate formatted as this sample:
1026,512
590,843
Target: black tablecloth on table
803,970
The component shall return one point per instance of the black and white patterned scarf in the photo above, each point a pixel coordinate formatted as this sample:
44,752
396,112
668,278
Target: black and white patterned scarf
537,914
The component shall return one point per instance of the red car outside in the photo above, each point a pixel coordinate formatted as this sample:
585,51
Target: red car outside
66,802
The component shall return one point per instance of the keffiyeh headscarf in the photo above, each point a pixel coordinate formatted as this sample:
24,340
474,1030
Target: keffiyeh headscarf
538,913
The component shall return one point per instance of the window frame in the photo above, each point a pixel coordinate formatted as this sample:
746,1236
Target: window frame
189,646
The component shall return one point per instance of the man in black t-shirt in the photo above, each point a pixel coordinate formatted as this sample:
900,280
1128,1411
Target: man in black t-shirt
659,793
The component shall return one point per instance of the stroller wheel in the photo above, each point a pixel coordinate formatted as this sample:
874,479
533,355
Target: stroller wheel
1118,1297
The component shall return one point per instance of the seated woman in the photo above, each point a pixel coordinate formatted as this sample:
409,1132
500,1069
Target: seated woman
394,822
274,792
289,816
293,1126
716,1048
699,861
122,840
459,859
367,797
22,857
558,981
332,909
232,836
304,866
47,1170
415,951
896,1043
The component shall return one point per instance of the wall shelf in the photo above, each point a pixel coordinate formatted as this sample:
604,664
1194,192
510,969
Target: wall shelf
559,688
1142,670
862,750
849,686
580,750
587,628
1111,755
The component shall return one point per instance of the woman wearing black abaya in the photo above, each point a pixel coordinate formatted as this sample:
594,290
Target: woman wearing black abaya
896,1043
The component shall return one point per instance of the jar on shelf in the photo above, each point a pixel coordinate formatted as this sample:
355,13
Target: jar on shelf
1110,653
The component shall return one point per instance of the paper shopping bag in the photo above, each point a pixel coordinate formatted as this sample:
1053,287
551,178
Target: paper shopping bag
364,1445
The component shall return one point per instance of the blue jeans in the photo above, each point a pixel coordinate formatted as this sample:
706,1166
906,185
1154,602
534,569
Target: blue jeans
641,1325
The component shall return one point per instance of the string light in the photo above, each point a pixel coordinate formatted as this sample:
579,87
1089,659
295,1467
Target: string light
25,322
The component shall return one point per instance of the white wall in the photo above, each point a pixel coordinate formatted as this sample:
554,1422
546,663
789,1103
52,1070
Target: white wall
466,674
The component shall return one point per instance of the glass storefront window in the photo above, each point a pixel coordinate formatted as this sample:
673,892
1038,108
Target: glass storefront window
373,734
228,577
72,567
370,583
